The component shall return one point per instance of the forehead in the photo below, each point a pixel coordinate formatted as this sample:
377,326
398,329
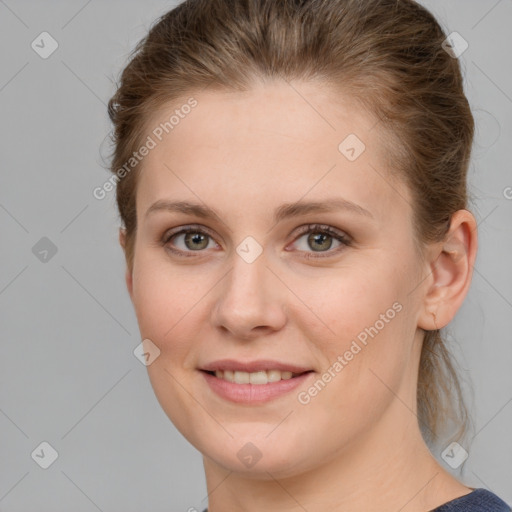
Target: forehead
277,142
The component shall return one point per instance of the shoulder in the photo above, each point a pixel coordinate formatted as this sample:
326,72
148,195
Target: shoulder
480,500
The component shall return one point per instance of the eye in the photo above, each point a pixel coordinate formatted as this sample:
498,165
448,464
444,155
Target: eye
190,239
320,239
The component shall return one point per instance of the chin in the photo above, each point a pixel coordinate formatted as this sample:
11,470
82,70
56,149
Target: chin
259,458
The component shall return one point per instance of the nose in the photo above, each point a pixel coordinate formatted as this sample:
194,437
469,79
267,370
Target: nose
250,300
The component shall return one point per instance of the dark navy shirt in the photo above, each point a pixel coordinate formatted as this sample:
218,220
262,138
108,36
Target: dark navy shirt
479,500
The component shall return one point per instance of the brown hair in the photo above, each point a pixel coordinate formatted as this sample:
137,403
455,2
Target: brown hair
385,54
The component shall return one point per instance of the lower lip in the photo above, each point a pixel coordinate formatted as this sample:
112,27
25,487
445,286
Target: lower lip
253,393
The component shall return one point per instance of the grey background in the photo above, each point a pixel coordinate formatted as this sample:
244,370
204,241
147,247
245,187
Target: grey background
68,375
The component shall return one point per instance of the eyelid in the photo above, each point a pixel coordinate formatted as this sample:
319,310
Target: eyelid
341,236
187,227
331,230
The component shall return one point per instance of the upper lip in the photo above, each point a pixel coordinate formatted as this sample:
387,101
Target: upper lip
253,366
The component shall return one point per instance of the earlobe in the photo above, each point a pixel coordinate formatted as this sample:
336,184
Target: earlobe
122,237
451,272
128,274
129,283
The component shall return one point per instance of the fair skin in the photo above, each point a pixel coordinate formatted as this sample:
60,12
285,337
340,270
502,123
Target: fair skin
357,444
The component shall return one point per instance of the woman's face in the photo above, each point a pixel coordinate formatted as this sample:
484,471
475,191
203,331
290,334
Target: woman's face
255,286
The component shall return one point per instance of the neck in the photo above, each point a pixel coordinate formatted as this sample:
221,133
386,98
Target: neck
388,469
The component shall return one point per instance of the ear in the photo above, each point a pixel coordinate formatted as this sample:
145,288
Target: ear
128,274
451,265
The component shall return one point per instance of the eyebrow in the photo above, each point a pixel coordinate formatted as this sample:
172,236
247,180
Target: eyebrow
285,211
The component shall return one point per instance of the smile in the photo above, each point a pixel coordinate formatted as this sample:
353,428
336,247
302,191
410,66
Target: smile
253,388
258,378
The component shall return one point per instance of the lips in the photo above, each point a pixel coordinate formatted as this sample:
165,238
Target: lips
254,366
253,382
261,377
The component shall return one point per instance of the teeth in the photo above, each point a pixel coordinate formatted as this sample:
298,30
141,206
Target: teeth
228,375
274,375
258,378
262,377
242,377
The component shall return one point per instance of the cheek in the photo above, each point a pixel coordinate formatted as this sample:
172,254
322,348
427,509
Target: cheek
361,333
163,300
353,305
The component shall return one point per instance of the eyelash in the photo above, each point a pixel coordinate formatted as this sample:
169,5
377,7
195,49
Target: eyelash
310,228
